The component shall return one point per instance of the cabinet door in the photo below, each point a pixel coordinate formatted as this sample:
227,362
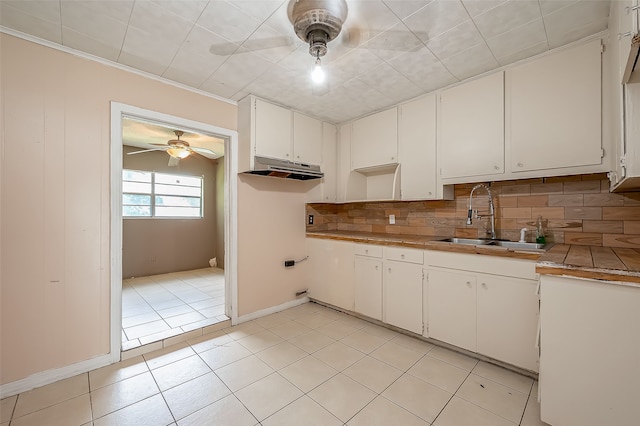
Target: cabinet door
272,131
330,272
471,117
402,297
555,109
589,326
508,320
307,139
368,287
417,148
329,163
343,162
452,308
374,141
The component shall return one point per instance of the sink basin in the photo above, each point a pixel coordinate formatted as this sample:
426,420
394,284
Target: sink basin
518,246
468,241
513,245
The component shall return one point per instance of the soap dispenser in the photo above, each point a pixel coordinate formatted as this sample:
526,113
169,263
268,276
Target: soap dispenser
540,231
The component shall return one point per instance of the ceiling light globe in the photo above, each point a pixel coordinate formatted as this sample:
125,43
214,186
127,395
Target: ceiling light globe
178,152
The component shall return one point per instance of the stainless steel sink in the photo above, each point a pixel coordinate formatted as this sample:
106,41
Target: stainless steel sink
513,245
467,241
518,246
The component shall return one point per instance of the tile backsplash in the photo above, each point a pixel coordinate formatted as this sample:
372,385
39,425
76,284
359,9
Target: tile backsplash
575,210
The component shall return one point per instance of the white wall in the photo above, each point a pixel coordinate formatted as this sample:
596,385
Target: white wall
271,229
55,206
55,199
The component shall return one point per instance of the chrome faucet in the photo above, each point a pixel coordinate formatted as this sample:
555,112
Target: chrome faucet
491,214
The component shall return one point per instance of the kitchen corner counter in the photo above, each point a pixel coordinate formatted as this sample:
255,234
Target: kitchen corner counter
593,262
422,242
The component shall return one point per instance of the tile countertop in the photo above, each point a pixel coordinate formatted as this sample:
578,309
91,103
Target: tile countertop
601,263
422,242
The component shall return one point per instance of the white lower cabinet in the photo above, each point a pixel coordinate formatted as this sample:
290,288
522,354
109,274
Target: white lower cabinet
330,272
507,320
368,285
590,352
403,295
427,293
452,307
493,315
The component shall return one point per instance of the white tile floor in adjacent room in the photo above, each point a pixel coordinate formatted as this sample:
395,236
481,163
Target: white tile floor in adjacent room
308,365
162,306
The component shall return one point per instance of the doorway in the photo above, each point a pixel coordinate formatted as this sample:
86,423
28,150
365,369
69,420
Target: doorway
184,284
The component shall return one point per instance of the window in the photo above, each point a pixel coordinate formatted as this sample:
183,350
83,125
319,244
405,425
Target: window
151,194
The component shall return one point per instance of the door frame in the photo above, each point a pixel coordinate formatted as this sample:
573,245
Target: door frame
118,110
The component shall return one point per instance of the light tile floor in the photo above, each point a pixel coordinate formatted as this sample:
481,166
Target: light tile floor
162,306
308,365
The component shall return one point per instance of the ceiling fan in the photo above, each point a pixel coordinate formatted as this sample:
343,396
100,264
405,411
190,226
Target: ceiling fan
177,149
316,22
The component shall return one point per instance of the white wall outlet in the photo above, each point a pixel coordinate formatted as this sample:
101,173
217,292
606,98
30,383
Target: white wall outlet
392,219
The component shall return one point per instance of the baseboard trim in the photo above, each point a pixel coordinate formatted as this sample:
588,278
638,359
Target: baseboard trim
50,376
271,310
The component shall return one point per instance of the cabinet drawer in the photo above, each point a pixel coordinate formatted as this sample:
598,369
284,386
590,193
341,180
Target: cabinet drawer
404,255
368,250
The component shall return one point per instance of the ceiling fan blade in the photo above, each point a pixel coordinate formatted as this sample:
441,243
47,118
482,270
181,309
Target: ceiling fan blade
158,144
173,161
226,49
199,150
145,150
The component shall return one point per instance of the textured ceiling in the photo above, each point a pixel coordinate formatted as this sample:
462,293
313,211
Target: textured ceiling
388,51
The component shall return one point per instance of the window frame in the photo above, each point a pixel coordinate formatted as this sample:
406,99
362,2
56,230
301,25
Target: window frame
153,194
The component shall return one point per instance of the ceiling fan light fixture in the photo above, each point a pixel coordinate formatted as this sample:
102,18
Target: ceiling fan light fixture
178,152
317,22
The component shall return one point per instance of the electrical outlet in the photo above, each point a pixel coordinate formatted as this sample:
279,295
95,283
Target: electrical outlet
392,219
310,221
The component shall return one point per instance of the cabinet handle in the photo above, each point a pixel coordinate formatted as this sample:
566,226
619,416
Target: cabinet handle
286,155
627,34
496,167
520,165
376,267
402,256
389,270
366,252
484,285
469,284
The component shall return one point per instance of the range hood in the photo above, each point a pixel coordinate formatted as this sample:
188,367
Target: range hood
285,169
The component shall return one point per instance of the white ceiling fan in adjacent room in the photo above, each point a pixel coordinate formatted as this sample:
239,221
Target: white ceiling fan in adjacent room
178,144
177,149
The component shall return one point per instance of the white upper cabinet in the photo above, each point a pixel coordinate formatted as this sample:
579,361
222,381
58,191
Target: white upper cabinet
307,139
269,130
273,136
374,140
554,110
471,137
417,149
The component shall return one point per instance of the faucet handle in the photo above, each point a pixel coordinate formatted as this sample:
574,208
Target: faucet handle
469,215
523,232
